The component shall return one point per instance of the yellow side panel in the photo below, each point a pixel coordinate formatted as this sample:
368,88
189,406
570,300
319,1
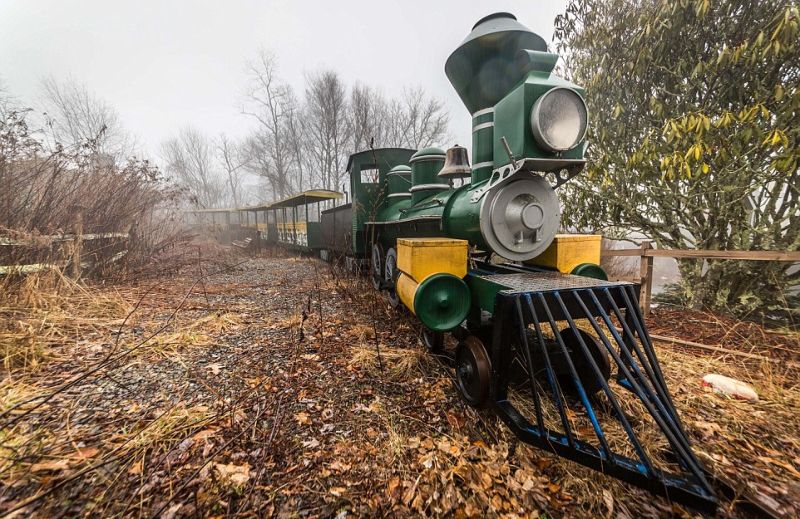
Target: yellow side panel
421,257
406,289
570,250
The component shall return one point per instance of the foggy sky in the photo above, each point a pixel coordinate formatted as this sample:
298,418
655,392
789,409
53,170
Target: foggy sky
167,64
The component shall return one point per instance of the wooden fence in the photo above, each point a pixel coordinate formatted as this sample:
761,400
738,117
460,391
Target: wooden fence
71,255
645,252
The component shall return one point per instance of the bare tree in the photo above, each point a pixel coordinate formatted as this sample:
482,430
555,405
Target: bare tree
297,141
415,120
327,127
6,102
273,147
396,125
189,161
299,145
233,158
368,117
77,117
424,121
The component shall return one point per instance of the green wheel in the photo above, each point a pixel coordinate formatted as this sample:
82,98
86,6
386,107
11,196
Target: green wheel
590,270
442,302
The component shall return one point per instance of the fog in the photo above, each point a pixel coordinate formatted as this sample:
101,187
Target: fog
166,65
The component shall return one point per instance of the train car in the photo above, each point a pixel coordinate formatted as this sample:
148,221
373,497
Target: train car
474,252
295,222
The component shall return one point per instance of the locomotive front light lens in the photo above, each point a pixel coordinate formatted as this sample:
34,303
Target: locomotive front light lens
558,119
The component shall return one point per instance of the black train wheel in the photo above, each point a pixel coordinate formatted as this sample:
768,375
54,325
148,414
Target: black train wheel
582,364
433,341
390,276
376,268
473,371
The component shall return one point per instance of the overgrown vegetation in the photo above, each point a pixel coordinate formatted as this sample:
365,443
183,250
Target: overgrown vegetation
695,136
45,183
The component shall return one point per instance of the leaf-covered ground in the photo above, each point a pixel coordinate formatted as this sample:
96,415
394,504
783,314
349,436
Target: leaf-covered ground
278,386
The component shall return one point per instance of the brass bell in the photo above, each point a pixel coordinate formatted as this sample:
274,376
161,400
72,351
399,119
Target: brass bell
456,163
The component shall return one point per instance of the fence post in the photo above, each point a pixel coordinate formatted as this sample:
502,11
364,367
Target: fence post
258,232
77,243
646,277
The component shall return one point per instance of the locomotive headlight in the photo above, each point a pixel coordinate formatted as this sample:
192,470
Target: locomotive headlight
558,119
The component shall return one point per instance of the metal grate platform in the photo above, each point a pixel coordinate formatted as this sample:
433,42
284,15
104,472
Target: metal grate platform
544,281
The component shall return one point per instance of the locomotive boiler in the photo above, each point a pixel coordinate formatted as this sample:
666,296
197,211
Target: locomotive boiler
556,350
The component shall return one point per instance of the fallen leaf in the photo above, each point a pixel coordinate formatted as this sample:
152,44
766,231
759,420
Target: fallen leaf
237,475
311,444
707,429
338,491
339,466
205,433
454,420
50,466
608,500
137,467
214,368
393,486
87,452
170,512
302,418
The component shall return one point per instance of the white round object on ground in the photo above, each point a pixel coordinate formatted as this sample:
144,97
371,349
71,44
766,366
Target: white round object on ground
731,386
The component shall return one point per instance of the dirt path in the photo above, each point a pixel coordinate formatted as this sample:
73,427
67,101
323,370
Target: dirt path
259,391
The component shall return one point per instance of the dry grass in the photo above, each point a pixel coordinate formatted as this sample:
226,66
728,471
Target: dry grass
19,441
730,434
293,321
87,430
41,313
170,426
397,364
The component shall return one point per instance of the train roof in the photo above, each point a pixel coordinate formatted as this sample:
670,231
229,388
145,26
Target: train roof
213,210
311,196
376,151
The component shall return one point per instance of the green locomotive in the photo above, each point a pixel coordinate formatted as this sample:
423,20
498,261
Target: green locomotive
482,260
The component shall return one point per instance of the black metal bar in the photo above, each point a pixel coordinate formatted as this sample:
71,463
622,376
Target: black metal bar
624,468
576,379
641,330
617,409
664,417
529,363
633,345
558,397
501,353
